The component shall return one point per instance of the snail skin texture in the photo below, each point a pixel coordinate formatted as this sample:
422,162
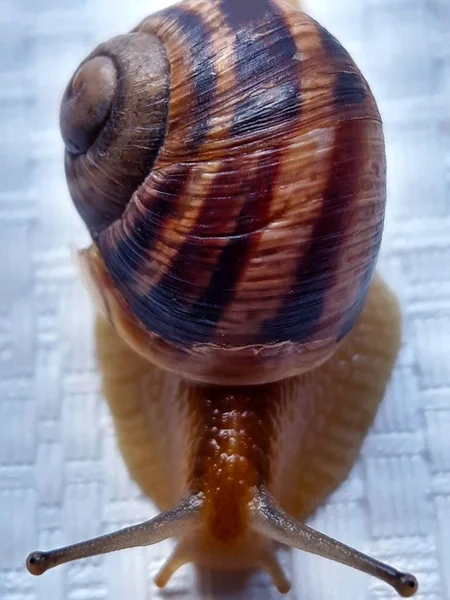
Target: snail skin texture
228,159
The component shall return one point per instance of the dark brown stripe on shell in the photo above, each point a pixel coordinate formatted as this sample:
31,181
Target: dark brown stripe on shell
240,14
350,86
333,47
196,37
266,71
195,255
349,89
232,263
133,250
300,313
352,316
302,309
169,310
164,310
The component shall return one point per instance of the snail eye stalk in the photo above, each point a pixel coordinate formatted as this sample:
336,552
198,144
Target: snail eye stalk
272,522
171,523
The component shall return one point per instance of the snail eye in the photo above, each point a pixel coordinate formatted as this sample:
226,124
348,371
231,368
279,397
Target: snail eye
86,104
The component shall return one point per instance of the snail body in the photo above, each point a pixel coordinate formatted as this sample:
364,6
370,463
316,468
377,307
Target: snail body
228,160
297,438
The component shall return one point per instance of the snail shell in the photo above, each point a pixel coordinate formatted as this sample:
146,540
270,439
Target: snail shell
234,188
228,159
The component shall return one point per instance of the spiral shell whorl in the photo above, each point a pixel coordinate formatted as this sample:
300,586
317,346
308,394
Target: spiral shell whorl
118,150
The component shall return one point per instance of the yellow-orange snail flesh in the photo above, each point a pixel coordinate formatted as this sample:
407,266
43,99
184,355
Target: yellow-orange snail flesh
228,159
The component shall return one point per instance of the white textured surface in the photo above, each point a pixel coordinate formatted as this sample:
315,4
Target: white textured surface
61,478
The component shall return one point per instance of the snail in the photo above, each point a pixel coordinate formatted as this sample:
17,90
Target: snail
228,160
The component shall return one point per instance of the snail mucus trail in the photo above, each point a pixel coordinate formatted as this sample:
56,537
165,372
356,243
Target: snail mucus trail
228,161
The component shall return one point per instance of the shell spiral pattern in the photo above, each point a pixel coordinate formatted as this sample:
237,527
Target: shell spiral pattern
253,233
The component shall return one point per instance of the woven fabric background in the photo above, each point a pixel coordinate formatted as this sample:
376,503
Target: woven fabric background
61,477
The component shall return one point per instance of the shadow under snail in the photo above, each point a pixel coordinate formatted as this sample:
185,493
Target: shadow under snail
228,159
